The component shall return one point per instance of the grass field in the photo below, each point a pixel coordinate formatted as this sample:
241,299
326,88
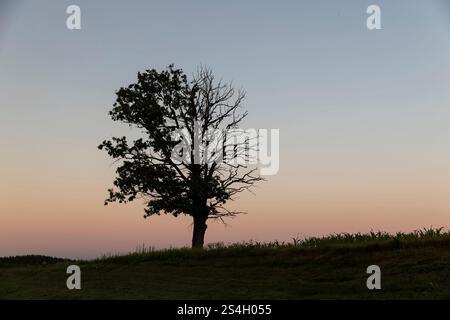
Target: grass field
413,266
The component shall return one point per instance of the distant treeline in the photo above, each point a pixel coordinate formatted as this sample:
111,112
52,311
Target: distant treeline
28,260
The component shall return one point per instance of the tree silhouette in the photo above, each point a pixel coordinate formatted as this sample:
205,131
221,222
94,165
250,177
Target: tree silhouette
187,160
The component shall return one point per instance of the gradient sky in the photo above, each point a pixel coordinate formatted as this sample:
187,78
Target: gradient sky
364,116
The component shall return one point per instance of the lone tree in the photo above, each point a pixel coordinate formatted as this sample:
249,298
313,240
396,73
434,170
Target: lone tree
187,161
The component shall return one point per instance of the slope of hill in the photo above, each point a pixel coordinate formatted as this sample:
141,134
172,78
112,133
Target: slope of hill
415,265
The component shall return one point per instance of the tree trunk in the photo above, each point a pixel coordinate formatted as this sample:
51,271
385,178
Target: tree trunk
198,234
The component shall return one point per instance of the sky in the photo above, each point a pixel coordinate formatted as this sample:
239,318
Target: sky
363,116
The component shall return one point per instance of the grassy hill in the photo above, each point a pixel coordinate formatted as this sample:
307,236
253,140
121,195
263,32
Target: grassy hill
414,265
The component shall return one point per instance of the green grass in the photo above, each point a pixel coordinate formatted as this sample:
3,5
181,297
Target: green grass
413,265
